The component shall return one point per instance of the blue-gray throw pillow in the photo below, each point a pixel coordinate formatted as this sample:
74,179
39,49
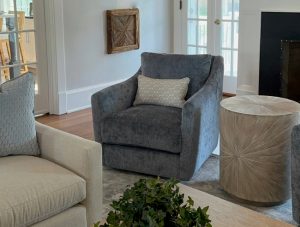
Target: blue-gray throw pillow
17,123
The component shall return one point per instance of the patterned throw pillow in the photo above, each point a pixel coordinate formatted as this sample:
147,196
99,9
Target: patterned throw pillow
17,123
164,92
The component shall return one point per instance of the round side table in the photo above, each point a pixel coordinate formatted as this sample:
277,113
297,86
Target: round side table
255,147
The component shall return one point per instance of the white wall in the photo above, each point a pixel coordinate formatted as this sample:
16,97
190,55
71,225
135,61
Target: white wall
88,67
249,49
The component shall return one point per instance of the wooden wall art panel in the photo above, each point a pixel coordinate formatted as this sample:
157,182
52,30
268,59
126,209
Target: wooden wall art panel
123,32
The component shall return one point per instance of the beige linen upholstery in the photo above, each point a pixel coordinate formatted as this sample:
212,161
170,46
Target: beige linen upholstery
81,156
164,92
33,189
73,217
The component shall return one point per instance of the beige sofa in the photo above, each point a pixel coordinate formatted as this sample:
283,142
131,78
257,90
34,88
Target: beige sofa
62,188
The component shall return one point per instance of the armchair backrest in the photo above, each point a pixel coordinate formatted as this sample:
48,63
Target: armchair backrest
174,66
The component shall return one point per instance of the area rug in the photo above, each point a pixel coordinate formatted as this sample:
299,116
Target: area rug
206,179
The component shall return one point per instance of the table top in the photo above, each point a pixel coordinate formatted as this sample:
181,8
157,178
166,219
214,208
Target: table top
260,105
224,213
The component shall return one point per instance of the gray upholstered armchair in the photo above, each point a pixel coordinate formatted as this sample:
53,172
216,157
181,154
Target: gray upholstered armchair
296,173
159,140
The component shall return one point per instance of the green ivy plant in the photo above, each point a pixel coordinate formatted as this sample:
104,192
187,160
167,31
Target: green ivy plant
155,203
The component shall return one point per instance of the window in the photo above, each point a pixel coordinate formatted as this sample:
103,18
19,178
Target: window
17,39
197,26
213,27
230,36
23,5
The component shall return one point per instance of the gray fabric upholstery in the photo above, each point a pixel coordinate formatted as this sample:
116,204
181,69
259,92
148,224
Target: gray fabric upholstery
148,126
113,99
175,66
296,173
17,124
200,122
199,118
147,161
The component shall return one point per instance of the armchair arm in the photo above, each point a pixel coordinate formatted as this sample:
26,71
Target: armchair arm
112,99
200,122
295,174
296,141
83,157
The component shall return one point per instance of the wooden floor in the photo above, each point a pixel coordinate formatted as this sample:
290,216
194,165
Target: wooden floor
79,123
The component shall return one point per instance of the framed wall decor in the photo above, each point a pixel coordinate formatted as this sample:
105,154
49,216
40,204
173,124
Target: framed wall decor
123,30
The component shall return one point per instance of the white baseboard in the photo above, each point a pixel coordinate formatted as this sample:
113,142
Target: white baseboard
62,100
79,99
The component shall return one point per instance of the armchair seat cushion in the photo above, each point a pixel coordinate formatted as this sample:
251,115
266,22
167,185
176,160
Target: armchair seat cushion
33,189
148,126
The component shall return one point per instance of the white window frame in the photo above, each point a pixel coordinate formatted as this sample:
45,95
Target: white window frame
214,48
17,32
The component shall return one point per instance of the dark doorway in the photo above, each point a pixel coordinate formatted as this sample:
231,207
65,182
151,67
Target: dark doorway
276,27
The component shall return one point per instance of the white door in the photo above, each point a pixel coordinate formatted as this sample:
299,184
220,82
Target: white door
23,45
210,27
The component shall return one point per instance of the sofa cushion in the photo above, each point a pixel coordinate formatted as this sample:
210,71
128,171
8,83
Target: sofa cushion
33,189
149,126
72,217
176,66
17,124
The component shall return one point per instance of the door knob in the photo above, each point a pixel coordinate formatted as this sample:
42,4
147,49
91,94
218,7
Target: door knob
217,21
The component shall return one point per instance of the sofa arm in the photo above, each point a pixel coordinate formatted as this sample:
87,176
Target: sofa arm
83,157
200,122
112,99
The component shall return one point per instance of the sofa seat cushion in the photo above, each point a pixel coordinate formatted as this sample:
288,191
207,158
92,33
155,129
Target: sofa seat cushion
33,189
148,126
